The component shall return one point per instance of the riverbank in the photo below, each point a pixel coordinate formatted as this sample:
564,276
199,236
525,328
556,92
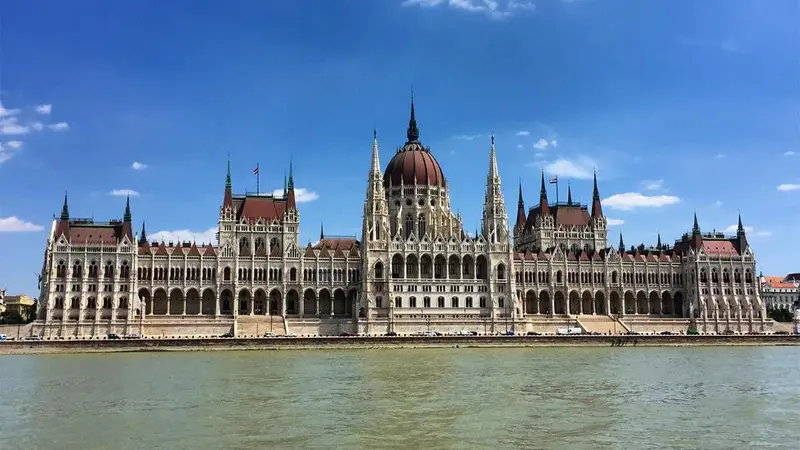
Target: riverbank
305,343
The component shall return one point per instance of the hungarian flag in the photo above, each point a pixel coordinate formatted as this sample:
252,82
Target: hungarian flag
553,180
255,171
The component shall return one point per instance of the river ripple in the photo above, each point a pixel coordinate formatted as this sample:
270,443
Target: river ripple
615,398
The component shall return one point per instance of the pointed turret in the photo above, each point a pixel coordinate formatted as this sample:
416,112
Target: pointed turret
544,207
740,228
695,226
658,243
143,235
520,209
697,238
741,236
413,132
228,199
375,225
621,247
65,209
597,207
290,196
569,194
321,231
291,177
127,217
285,186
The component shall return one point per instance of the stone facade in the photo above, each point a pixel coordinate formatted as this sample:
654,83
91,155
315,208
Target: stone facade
415,268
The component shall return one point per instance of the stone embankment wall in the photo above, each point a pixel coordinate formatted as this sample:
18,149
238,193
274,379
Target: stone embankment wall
76,346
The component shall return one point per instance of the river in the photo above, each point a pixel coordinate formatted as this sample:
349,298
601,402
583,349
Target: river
593,398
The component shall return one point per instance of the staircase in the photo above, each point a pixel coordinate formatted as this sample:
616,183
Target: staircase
600,324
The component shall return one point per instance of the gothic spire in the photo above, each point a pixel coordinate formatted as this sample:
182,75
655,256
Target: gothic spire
597,207
65,209
413,131
544,207
695,227
228,176
285,186
291,178
143,235
658,244
493,172
740,228
569,194
621,244
321,231
127,217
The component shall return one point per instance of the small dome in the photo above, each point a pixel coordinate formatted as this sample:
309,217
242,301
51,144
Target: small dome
413,164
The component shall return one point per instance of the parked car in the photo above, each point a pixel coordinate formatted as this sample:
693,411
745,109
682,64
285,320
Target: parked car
269,334
390,333
113,336
533,333
229,334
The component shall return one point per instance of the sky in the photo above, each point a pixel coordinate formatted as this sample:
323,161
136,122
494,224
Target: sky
680,106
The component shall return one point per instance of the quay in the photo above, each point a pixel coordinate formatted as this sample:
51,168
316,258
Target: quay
386,342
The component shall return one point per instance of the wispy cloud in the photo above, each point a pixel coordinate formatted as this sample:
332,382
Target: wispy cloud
614,222
301,195
124,193
10,126
788,153
543,143
653,185
60,126
44,110
749,230
467,137
789,187
200,237
523,133
520,146
16,225
582,168
717,204
138,166
8,112
6,152
719,156
632,200
495,9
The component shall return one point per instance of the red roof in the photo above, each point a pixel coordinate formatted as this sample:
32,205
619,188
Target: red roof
94,234
719,248
260,207
413,164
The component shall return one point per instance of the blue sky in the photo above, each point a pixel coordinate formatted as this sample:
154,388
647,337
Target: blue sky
680,105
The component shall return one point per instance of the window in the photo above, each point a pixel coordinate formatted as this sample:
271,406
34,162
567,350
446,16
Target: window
61,270
440,302
379,270
92,304
107,302
482,302
398,302
378,302
409,226
59,303
426,302
226,274
292,274
501,303
76,269
123,303
501,272
468,302
454,302
75,303
412,302
421,226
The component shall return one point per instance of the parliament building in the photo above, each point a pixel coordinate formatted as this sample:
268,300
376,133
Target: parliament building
414,269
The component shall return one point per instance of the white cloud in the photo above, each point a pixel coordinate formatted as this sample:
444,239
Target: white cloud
719,156
8,112
632,200
200,237
582,169
6,152
614,222
15,225
788,153
493,8
653,185
717,204
789,187
523,133
44,109
138,166
37,126
14,144
467,137
124,193
538,155
10,126
301,195
543,143
60,126
749,230
519,146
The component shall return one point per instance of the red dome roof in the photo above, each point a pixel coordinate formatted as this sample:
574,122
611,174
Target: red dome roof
413,164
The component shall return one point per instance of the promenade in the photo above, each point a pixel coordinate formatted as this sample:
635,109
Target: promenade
387,342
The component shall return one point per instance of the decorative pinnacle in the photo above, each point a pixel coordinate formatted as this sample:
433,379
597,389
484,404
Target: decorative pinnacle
413,132
228,176
127,217
291,178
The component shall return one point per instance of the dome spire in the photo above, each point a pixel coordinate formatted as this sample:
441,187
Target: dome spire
413,131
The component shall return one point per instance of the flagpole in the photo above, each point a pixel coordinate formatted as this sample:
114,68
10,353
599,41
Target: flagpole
258,179
556,190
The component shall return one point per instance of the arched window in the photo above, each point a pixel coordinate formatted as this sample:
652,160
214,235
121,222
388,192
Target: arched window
408,228
292,274
125,270
559,276
226,274
93,269
76,269
61,270
108,271
421,226
244,245
501,271
259,244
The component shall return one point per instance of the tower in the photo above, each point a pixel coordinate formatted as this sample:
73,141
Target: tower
598,220
519,227
495,219
374,230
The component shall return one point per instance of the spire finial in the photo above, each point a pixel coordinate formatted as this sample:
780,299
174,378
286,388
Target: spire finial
596,192
658,243
543,191
569,193
695,227
413,132
740,228
143,235
228,176
621,243
291,178
65,208
520,202
127,217
321,231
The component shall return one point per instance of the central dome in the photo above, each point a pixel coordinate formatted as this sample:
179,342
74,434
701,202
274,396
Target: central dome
413,163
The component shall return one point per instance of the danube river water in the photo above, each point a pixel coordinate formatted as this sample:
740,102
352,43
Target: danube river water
594,398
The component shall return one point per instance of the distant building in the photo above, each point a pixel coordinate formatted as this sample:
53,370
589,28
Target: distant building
19,304
781,292
2,301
